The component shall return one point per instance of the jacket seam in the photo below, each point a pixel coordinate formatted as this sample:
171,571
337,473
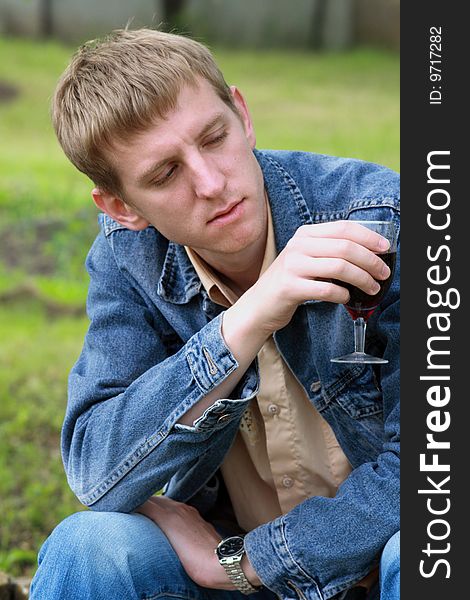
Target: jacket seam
293,188
299,567
123,469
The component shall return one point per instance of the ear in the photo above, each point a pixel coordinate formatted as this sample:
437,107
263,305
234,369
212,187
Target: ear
242,108
118,210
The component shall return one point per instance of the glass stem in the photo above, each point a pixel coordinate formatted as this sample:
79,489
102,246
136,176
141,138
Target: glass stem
359,334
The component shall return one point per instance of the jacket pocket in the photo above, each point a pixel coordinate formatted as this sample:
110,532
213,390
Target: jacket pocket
356,390
353,407
362,396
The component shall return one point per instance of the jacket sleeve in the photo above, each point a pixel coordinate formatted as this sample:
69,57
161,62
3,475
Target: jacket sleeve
120,439
326,545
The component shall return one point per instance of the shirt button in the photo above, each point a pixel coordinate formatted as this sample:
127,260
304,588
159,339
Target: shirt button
273,409
287,481
315,386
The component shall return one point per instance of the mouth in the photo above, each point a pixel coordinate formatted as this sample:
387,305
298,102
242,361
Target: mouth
226,214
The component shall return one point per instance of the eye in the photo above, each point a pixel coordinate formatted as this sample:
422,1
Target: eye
166,177
217,139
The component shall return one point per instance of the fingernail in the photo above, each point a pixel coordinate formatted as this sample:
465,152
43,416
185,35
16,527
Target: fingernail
385,271
384,244
375,288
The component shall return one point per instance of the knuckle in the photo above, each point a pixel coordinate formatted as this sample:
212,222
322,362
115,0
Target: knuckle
303,230
291,245
323,290
339,293
343,227
336,267
345,247
290,261
295,243
341,267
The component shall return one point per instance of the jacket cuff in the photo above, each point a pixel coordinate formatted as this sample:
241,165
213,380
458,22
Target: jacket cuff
271,558
211,362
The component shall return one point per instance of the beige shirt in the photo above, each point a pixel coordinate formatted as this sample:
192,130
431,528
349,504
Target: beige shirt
284,452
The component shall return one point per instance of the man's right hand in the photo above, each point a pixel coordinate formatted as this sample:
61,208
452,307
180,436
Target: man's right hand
316,254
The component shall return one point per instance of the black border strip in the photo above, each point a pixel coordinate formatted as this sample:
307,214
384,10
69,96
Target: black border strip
435,204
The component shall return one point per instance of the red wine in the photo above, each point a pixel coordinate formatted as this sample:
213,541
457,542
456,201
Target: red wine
361,304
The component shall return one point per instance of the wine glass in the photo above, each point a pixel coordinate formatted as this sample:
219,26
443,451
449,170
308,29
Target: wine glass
361,305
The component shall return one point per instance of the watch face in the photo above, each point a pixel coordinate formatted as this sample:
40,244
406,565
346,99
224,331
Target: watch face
230,547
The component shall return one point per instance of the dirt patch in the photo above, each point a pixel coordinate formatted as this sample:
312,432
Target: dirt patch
47,246
8,92
28,291
25,246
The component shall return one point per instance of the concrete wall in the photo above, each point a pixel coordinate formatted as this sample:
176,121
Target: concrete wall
327,24
271,23
253,23
79,19
21,17
378,22
76,20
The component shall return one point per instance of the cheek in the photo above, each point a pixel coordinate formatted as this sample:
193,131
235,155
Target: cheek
176,218
242,168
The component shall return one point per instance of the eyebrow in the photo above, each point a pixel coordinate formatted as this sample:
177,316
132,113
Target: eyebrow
148,173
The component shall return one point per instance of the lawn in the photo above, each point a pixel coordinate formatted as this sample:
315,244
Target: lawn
344,104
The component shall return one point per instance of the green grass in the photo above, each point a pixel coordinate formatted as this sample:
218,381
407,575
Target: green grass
35,354
340,104
343,104
35,177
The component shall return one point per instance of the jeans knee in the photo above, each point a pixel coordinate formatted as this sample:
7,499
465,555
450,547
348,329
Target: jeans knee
390,569
94,552
92,536
390,560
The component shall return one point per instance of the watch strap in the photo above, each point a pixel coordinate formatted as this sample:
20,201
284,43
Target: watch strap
236,575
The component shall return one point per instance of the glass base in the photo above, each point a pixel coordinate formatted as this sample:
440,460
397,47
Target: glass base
360,357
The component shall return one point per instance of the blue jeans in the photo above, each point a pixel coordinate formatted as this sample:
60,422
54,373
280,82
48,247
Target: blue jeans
118,556
390,569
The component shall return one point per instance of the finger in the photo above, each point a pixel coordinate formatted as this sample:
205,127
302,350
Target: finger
349,251
323,290
348,230
342,270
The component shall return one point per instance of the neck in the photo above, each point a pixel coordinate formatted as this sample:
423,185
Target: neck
241,270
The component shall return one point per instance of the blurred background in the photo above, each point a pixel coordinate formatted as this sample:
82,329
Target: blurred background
319,75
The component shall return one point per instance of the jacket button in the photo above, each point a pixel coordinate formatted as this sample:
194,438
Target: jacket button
273,409
315,386
287,481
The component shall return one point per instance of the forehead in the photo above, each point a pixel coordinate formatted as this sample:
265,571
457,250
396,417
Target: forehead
198,107
197,104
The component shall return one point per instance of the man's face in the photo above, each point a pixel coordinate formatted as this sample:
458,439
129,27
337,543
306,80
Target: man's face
194,177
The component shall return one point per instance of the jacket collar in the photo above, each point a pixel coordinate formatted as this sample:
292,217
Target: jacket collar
288,207
179,282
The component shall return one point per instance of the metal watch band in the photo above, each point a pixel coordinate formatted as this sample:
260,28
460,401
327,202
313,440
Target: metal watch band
236,575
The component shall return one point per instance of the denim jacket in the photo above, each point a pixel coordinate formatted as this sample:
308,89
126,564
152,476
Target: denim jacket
154,348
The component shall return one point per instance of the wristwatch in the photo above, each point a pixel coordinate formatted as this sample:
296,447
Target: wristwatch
230,552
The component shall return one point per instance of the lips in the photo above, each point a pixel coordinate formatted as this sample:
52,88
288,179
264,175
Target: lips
225,211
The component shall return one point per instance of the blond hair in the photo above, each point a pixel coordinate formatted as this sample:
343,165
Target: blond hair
116,86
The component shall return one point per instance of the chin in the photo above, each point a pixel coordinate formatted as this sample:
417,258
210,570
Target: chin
234,246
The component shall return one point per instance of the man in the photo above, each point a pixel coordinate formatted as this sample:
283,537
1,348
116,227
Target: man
206,369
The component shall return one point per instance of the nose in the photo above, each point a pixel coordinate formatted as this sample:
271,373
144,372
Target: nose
208,180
